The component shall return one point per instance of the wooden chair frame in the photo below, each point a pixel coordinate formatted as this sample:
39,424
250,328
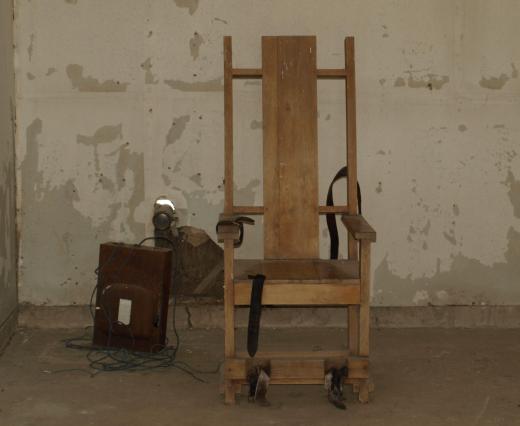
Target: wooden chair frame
301,367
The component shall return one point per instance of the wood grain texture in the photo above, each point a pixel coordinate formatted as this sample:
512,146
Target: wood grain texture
324,294
358,227
298,270
353,329
339,73
295,275
350,97
322,73
228,126
364,308
334,354
289,93
298,370
247,73
229,299
260,209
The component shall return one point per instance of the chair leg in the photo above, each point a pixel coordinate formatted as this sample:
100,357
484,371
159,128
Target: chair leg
364,392
364,315
229,392
353,329
229,318
364,308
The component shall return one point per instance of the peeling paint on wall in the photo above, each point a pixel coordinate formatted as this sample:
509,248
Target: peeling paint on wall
30,48
430,81
450,237
149,77
131,164
514,193
176,129
7,236
191,5
256,125
97,147
497,83
215,85
8,231
456,210
105,134
195,42
197,178
477,283
90,84
73,236
399,82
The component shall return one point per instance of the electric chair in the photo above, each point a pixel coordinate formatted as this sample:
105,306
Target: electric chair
291,272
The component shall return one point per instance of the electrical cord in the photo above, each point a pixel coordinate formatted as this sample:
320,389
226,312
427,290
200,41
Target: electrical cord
108,359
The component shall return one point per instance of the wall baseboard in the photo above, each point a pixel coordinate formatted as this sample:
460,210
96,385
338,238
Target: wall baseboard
194,315
7,329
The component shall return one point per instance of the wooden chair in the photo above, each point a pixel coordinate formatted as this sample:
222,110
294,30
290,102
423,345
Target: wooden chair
294,273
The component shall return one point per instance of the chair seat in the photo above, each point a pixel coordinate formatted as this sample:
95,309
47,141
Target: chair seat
298,270
299,282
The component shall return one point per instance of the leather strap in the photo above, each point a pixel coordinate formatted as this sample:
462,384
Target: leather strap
236,221
255,310
331,217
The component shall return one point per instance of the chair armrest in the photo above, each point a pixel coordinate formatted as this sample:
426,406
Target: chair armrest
359,227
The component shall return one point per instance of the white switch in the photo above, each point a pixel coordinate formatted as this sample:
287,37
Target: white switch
125,309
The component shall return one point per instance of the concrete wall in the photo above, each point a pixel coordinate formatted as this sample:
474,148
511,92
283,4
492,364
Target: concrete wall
8,292
121,101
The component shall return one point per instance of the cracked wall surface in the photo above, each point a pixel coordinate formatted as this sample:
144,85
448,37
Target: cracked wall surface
119,102
8,291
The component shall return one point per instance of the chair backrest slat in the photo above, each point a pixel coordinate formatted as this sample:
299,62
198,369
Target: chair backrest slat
289,94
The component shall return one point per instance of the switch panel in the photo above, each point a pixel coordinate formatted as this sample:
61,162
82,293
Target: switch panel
132,297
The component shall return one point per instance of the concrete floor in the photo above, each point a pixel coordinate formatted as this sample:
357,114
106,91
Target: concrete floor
422,377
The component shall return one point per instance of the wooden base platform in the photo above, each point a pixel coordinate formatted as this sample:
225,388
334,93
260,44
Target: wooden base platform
302,368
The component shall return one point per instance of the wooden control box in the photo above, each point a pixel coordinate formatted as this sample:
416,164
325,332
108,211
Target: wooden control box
132,297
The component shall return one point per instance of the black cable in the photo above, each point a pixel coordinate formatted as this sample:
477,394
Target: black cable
103,359
177,257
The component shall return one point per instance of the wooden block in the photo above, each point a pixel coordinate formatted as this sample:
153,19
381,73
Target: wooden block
358,367
289,369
